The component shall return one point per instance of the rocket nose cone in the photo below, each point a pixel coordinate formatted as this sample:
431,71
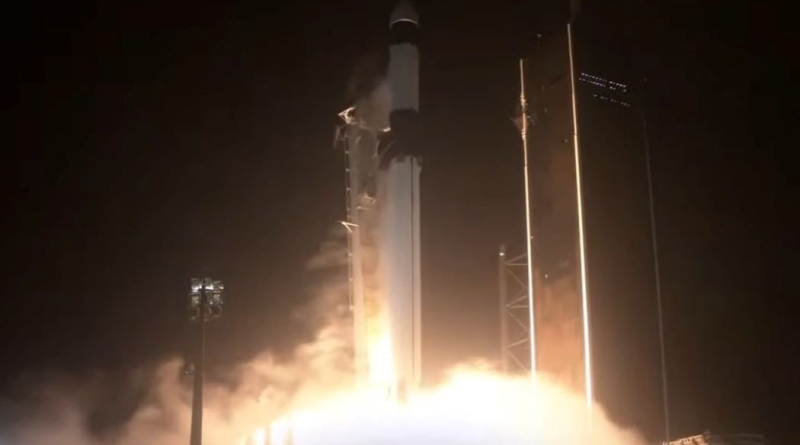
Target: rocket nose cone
404,12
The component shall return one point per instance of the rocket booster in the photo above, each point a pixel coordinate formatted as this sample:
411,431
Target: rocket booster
403,74
400,196
383,218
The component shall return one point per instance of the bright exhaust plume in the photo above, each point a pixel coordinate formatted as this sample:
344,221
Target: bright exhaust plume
474,407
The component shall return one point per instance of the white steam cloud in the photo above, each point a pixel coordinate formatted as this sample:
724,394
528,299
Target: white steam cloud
473,408
247,398
312,391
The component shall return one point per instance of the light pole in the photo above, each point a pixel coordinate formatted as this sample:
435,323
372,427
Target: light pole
205,304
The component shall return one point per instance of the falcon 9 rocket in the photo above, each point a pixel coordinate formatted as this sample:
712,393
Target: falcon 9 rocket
401,255
383,198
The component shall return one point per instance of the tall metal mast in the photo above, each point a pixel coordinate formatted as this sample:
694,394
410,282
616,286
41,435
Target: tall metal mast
587,344
657,270
205,304
528,241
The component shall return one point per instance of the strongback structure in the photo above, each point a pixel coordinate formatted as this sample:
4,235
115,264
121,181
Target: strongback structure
360,137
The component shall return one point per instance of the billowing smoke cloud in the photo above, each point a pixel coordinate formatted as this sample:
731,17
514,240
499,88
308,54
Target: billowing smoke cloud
473,408
371,92
313,390
368,72
60,410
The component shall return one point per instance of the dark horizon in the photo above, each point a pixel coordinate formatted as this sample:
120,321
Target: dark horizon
154,143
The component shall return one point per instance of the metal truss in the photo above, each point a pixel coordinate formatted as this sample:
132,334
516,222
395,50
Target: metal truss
514,324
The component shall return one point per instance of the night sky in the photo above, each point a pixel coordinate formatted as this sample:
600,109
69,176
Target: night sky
156,141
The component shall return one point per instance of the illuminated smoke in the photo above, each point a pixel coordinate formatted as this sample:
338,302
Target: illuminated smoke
58,410
374,107
370,91
310,399
473,408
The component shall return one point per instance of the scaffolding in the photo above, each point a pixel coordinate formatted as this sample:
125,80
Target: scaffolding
514,321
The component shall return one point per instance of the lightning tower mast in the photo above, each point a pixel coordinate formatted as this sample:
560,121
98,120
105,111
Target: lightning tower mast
558,309
523,127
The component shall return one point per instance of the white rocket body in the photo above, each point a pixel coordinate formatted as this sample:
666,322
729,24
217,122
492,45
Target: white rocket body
400,192
401,268
383,196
